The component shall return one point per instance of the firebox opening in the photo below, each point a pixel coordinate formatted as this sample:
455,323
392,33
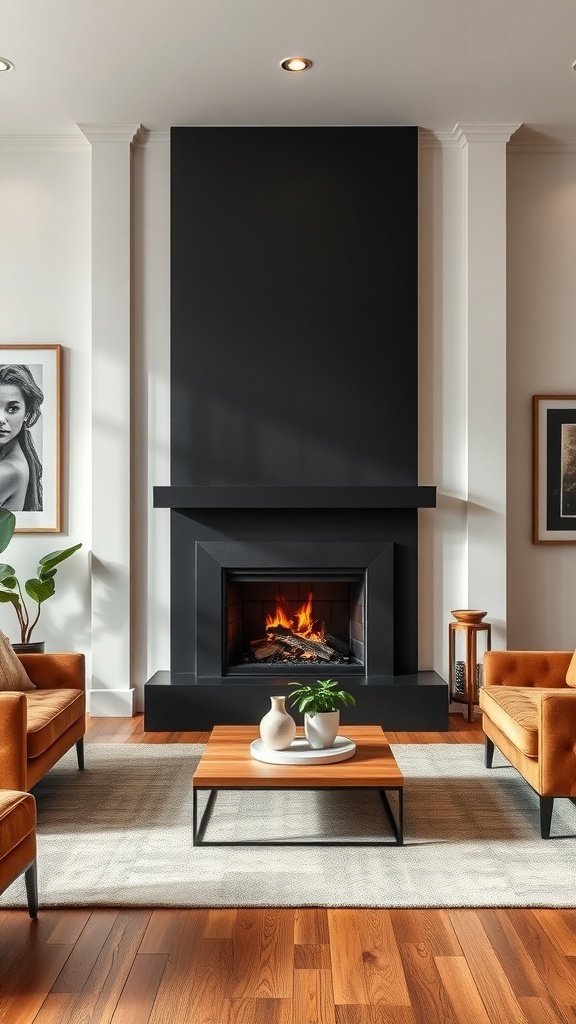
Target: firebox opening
282,620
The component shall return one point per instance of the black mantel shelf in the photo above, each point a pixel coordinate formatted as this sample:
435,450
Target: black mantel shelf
187,497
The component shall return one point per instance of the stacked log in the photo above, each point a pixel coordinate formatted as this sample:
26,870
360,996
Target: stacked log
283,642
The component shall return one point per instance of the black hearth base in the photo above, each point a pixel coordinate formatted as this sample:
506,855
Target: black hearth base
177,702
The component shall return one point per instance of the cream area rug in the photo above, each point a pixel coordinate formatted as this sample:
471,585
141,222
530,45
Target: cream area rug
119,834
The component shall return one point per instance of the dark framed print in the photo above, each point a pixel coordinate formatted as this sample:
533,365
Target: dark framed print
30,435
554,477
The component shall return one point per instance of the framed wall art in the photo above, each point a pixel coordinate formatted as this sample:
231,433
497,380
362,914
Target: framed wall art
30,435
554,477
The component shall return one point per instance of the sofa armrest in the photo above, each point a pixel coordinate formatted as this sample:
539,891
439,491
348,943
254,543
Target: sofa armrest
557,743
526,668
13,741
56,671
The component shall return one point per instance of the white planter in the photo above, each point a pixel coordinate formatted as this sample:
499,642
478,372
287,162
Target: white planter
322,729
277,728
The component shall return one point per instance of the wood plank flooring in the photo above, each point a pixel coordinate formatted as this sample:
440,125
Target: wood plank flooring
279,966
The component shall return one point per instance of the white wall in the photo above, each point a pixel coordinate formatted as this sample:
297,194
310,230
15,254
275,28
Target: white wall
45,299
541,360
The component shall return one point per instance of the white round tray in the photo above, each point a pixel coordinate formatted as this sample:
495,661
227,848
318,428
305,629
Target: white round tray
300,752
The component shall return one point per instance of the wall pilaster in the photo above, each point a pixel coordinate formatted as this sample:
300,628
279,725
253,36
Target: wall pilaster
484,328
112,693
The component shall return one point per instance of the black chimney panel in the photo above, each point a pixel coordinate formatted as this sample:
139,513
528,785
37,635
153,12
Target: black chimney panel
294,306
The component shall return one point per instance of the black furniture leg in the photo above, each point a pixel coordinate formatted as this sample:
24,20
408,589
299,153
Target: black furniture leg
488,752
198,830
546,805
80,752
31,882
396,826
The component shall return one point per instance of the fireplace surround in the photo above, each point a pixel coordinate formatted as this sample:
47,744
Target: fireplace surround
294,418
218,548
366,569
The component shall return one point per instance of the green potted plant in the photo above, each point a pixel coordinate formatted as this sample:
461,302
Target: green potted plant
39,588
321,702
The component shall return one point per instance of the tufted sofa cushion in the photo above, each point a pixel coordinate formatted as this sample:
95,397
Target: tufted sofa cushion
526,668
514,710
50,714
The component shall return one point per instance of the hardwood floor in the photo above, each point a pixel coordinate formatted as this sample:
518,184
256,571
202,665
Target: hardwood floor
271,966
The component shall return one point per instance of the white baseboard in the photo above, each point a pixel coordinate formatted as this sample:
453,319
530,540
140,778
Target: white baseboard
111,703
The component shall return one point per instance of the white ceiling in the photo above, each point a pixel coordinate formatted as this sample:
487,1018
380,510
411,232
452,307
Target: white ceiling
432,63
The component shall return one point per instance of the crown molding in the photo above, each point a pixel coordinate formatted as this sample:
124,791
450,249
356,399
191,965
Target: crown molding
463,133
491,132
37,143
111,133
520,143
431,139
542,145
152,140
521,139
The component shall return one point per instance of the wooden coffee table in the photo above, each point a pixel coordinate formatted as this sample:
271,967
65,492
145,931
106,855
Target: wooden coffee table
227,764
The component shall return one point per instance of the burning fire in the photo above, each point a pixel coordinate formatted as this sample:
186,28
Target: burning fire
301,622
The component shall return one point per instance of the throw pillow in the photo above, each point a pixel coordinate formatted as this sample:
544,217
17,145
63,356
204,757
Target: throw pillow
571,673
13,675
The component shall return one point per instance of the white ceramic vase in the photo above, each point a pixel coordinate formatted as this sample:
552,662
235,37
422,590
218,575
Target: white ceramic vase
321,729
277,728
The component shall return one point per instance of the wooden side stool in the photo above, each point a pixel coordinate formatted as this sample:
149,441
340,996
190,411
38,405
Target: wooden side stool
18,843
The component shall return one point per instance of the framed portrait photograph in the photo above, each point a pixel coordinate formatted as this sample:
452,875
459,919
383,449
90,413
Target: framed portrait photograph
554,479
30,435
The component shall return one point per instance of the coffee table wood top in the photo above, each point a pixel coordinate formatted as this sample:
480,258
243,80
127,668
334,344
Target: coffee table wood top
227,763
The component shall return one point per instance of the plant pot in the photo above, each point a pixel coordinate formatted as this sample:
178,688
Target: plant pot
277,728
33,647
321,729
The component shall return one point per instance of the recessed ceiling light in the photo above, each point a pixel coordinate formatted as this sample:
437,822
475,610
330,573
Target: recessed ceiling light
296,64
5,64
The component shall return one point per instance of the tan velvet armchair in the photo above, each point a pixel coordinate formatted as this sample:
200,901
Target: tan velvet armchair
18,843
529,712
39,726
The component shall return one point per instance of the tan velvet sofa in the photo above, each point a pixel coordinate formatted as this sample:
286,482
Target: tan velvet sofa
529,713
37,727
18,843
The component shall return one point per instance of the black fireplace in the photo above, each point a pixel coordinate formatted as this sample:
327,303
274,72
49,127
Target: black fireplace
229,569
294,425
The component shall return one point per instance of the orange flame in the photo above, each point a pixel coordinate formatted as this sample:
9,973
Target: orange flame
301,622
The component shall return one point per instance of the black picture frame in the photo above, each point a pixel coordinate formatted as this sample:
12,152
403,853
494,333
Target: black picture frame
554,469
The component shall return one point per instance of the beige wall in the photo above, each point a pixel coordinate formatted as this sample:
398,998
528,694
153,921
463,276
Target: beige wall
541,360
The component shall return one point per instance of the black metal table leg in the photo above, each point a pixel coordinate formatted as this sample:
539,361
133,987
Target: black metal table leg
397,826
199,830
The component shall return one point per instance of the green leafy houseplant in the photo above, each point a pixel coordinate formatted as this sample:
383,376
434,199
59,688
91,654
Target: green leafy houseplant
319,697
39,588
